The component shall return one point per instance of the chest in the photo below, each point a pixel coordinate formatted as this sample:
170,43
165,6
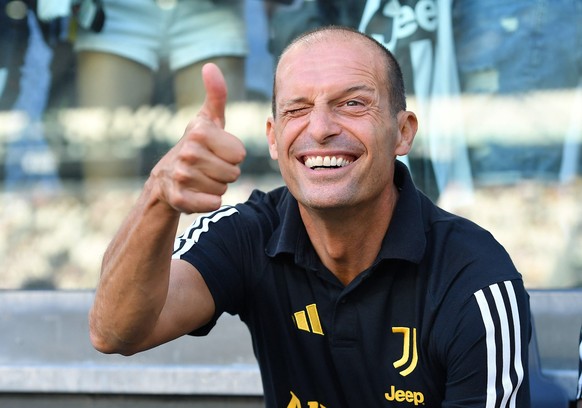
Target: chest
360,345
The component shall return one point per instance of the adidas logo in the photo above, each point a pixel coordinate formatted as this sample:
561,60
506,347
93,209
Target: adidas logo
308,320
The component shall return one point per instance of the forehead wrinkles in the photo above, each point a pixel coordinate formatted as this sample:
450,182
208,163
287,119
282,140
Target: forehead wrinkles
351,56
348,42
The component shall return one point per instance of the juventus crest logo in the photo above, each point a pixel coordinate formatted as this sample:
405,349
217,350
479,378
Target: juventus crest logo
408,344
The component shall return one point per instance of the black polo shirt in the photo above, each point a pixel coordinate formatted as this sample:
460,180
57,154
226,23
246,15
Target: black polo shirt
440,319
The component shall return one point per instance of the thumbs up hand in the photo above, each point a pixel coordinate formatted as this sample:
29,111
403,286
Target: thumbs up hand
194,174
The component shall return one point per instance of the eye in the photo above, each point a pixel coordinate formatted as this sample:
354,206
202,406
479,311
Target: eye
295,112
355,103
353,106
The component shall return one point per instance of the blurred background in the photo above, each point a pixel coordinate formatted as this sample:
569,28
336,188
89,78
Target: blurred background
92,93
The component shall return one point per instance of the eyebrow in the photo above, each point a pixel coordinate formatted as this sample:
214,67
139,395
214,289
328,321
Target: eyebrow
351,89
364,89
356,88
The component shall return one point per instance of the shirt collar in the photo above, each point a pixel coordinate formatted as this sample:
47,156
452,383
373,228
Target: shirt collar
404,240
290,237
406,236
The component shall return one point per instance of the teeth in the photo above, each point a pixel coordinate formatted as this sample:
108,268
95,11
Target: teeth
326,161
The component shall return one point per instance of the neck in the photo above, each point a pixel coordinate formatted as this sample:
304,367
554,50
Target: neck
348,240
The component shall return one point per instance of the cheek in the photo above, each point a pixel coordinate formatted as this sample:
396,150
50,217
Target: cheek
387,140
285,143
378,143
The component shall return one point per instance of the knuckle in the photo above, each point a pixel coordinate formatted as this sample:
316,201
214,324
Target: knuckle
181,175
198,127
242,155
191,152
235,174
181,205
221,189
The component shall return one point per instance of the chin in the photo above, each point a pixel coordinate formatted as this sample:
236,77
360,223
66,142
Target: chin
321,201
324,196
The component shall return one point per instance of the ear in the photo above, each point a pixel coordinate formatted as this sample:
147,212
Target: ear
271,138
407,127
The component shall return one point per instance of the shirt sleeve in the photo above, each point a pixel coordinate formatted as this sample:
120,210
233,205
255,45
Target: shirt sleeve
487,357
218,245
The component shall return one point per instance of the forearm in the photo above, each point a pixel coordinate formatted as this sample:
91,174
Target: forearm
135,275
137,303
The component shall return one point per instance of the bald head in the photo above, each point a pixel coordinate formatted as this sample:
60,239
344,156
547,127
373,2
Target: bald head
328,34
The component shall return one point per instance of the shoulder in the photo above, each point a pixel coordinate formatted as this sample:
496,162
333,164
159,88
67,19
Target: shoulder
463,256
256,218
457,239
265,207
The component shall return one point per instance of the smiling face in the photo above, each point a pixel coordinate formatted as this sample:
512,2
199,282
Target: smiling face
333,132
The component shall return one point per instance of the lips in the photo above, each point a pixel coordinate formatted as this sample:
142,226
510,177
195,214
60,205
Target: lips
317,162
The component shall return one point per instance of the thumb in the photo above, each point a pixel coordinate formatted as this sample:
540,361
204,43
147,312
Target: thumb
215,102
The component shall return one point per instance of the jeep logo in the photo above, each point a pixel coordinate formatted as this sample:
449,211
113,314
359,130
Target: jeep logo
395,395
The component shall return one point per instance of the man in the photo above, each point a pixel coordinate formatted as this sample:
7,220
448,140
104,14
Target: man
357,290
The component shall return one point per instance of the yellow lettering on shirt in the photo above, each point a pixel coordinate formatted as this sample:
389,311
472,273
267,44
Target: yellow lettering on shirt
415,397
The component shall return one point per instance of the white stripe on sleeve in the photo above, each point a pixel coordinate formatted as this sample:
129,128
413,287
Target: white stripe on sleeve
517,335
499,317
491,348
190,237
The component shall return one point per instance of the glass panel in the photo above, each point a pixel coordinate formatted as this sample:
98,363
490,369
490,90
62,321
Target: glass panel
89,101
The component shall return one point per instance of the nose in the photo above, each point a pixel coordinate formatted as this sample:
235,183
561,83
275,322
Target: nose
322,124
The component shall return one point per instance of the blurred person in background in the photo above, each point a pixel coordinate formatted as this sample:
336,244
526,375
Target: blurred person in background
136,53
119,56
26,56
515,49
